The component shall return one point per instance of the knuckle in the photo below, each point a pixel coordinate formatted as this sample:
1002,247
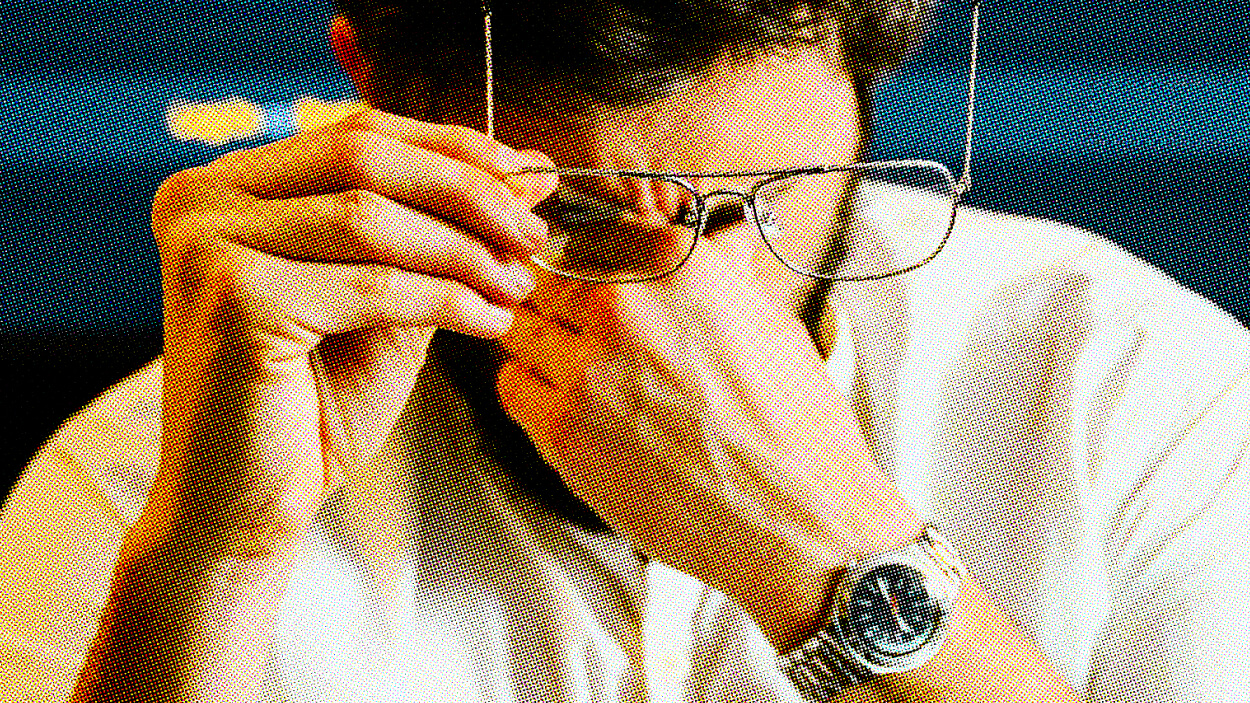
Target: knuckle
177,196
374,284
363,120
207,274
220,270
364,215
176,192
191,255
360,152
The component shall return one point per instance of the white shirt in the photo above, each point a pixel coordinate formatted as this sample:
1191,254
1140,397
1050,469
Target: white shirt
1074,421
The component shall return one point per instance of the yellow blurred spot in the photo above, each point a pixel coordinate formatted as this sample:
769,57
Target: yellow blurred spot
311,113
216,123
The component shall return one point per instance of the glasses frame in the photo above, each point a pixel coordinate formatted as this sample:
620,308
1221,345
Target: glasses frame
957,187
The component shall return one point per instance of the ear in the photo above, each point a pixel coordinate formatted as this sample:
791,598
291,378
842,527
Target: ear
353,60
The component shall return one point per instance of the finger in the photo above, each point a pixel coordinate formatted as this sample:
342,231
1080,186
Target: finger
361,227
600,310
333,161
534,188
306,300
557,356
640,323
454,141
528,400
463,144
368,375
722,266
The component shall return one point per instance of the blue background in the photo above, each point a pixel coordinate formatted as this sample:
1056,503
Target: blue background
1127,119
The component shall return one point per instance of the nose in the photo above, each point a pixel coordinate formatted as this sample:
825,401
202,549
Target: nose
726,208
658,201
717,197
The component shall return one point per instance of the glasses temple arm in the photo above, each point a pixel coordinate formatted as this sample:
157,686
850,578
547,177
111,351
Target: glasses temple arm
490,78
965,179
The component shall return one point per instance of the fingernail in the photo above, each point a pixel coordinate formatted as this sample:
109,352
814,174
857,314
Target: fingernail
535,228
520,225
510,159
520,279
533,188
500,319
529,229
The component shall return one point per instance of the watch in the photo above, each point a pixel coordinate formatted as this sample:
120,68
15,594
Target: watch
889,613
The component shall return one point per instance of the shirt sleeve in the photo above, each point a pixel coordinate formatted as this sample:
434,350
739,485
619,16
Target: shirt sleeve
731,661
60,537
1178,627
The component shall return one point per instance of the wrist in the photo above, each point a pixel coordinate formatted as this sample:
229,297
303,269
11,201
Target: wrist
790,601
980,639
161,542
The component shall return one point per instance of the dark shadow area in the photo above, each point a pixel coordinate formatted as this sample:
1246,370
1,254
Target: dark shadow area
47,377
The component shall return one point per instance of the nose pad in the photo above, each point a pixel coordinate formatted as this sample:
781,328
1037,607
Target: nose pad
674,202
768,222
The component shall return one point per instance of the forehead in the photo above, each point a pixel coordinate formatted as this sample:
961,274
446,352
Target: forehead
758,115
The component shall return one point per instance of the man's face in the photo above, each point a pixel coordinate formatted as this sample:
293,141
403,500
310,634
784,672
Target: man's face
773,113
770,114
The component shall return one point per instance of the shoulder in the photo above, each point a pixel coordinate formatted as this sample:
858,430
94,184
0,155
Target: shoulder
61,529
116,440
1153,379
1011,275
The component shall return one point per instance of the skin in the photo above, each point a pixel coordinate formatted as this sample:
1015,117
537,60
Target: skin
685,411
303,280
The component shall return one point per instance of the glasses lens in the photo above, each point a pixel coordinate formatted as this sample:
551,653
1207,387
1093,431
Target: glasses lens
617,229
818,223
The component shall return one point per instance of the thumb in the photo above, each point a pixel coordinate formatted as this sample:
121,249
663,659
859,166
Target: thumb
364,378
534,188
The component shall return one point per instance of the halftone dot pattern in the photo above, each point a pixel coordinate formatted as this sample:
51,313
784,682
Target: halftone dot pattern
1074,421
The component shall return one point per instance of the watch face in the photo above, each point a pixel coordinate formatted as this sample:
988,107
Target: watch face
891,611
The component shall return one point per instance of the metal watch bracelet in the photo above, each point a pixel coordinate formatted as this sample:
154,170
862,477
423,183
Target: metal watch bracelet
820,668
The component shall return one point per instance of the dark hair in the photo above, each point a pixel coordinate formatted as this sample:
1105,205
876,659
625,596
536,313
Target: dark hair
617,53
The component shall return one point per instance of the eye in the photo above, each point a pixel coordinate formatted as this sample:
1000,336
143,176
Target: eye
726,214
688,216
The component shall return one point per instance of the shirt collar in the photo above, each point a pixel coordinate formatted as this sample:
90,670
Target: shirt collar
840,365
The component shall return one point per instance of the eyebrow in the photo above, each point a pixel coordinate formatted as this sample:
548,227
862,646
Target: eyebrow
571,208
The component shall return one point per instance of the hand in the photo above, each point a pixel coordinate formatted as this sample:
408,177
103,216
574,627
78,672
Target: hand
695,416
354,241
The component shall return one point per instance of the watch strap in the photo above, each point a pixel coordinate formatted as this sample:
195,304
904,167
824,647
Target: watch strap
819,668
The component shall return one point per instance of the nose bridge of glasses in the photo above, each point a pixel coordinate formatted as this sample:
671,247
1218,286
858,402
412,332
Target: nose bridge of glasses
719,205
713,198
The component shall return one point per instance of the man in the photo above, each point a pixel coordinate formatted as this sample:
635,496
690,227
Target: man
297,502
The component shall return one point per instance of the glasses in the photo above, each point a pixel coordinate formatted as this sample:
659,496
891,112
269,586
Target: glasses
609,226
